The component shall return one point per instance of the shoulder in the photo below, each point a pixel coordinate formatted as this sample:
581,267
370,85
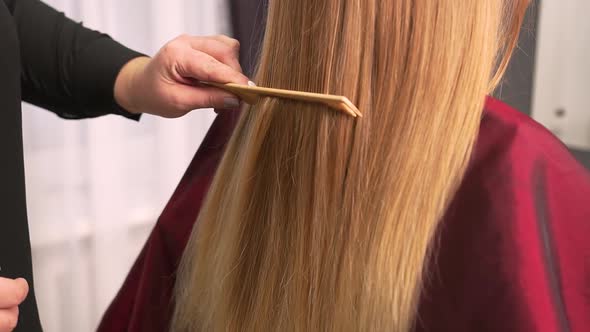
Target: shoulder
525,134
512,245
515,160
518,160
512,141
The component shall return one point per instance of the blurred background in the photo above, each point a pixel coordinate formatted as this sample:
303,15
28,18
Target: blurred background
96,188
549,78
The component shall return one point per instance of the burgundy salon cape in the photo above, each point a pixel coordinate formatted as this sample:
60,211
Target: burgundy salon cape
513,252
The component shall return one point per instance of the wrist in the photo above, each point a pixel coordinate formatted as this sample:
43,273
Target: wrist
127,85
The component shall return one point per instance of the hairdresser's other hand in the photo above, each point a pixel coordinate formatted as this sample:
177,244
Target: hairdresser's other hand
167,84
12,294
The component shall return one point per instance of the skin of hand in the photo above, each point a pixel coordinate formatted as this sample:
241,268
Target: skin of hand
12,293
167,84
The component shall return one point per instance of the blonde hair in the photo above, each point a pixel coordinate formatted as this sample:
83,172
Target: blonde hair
316,221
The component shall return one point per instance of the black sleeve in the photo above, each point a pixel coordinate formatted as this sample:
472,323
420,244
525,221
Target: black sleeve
66,68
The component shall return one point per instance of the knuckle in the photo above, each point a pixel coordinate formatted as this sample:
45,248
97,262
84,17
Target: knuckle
172,48
168,49
182,37
234,44
231,42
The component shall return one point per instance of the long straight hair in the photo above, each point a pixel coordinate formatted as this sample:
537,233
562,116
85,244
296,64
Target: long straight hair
316,221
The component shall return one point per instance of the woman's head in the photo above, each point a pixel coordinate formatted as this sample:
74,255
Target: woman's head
320,222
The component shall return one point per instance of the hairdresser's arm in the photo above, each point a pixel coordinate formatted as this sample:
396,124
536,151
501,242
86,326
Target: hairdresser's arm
66,68
79,73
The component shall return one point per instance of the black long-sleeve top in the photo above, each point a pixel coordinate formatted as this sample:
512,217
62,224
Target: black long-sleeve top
53,62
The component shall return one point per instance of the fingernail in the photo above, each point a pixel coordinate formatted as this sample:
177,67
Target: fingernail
229,102
250,83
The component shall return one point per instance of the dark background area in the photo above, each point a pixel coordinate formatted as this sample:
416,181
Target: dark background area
248,18
517,89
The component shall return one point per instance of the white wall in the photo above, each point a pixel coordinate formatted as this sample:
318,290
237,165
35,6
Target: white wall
95,187
562,79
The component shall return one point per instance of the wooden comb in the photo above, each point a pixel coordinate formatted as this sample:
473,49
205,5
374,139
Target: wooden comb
252,94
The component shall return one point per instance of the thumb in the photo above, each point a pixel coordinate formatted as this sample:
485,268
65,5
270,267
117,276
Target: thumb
208,97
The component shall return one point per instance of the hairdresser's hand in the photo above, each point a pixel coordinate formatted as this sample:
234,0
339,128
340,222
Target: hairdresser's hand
12,294
167,84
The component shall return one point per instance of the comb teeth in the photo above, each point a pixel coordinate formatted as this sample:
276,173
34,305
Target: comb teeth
352,107
252,94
